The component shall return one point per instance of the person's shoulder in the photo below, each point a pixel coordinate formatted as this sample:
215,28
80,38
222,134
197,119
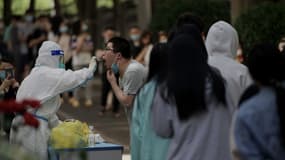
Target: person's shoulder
227,65
147,89
257,104
135,63
240,66
248,107
135,66
149,85
224,60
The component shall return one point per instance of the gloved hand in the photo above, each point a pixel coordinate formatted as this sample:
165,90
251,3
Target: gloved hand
93,64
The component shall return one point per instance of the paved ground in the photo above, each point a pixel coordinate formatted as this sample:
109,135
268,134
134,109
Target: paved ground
114,130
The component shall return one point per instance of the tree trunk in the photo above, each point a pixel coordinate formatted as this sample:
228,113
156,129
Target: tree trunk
80,8
7,11
32,6
87,10
144,11
116,15
57,8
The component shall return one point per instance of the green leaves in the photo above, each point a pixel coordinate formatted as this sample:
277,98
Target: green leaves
263,23
167,11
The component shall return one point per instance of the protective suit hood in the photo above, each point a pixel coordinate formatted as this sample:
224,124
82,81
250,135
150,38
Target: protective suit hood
44,56
222,39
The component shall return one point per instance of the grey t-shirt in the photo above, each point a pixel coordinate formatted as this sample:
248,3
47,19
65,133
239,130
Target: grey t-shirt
203,136
132,80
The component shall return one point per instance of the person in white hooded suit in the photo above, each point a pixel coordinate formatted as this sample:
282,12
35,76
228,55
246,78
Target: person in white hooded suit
45,82
222,44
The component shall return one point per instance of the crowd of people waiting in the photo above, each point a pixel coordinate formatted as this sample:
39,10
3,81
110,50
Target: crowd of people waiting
185,96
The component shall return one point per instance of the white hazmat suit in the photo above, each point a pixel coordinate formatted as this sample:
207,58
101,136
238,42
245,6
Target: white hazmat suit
45,82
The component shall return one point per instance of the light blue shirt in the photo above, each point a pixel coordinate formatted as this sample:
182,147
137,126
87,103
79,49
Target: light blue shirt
257,128
145,144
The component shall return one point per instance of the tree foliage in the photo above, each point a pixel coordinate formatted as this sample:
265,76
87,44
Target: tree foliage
167,11
262,23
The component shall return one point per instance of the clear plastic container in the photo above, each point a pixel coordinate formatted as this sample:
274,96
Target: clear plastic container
91,137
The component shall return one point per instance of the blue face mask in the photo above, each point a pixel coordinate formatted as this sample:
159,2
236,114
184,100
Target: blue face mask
29,18
115,68
135,37
84,27
2,75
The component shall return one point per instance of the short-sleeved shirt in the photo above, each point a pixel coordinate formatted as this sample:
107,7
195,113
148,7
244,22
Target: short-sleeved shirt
132,80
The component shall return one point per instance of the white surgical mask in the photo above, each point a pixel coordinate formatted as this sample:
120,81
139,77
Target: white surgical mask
29,18
163,41
63,29
84,27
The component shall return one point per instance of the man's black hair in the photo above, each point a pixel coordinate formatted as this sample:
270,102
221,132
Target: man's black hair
121,45
134,26
109,28
184,19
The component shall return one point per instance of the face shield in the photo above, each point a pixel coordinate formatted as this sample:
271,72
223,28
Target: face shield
60,54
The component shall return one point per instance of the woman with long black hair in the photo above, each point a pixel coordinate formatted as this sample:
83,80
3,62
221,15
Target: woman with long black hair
145,143
190,102
259,128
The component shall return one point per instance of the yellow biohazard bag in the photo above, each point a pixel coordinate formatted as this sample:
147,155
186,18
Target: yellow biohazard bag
69,134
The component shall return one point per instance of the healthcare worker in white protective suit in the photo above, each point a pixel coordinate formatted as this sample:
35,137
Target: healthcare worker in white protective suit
45,82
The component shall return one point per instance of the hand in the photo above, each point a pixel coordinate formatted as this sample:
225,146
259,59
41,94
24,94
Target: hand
93,64
6,84
99,53
111,77
15,83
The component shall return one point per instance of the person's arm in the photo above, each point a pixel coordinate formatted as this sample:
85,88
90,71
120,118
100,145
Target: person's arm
71,79
79,44
36,41
53,121
141,55
124,99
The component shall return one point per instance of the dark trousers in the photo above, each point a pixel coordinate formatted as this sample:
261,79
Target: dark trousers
106,87
68,65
